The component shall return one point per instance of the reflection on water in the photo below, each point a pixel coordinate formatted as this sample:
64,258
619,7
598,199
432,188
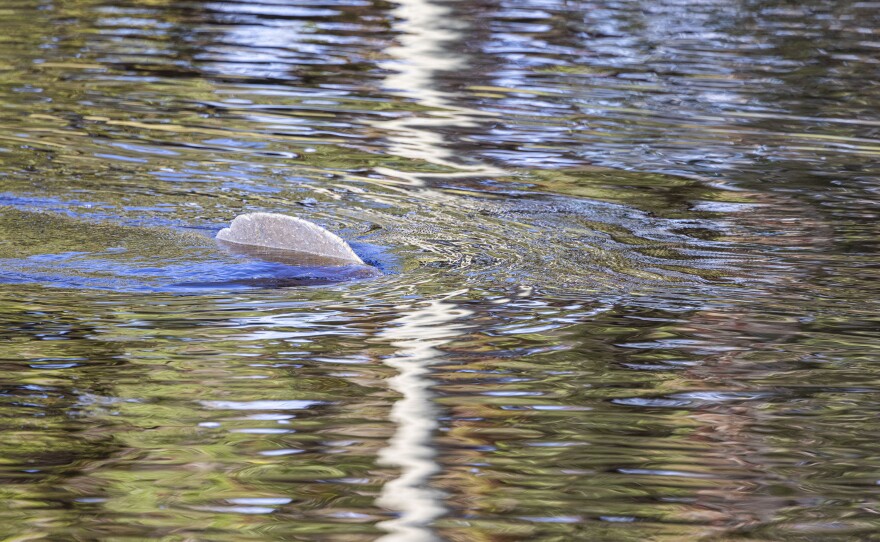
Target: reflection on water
416,335
628,254
425,32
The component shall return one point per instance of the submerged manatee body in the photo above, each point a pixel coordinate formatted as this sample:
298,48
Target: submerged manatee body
256,251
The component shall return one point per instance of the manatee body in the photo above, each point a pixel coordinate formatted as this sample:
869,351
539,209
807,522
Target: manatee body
289,240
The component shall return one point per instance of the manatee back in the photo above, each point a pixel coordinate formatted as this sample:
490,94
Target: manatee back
286,233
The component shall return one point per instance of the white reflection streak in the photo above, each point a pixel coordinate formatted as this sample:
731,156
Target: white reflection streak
425,29
417,335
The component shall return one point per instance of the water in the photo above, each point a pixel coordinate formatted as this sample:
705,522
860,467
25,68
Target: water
628,279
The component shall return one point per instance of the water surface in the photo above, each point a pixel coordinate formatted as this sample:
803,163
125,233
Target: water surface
627,254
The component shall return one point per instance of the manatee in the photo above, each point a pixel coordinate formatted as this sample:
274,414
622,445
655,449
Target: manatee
287,239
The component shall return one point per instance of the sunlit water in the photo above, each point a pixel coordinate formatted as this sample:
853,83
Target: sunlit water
627,280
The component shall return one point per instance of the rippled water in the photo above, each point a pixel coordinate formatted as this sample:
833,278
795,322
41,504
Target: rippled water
628,254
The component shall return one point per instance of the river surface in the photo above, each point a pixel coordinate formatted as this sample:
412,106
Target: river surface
629,270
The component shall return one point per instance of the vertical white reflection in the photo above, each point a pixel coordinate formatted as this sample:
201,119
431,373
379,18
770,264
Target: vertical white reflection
425,31
417,335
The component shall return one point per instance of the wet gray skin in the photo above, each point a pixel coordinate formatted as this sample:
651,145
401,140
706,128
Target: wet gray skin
319,256
291,239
